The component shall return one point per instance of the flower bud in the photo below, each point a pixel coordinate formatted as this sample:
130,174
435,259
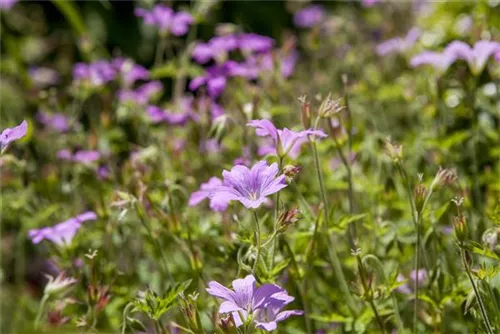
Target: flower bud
329,107
288,218
490,237
445,177
419,194
460,227
394,151
291,172
58,285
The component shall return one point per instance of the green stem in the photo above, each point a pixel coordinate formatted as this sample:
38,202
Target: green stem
156,244
332,253
257,240
41,307
276,216
482,309
417,265
380,267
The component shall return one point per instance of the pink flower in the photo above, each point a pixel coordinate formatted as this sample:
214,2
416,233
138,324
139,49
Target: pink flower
285,142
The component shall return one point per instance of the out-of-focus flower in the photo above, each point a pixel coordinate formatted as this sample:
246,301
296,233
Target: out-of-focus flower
216,48
210,146
421,274
248,186
205,191
43,76
159,115
6,5
309,16
103,172
399,44
58,285
215,79
476,56
81,156
445,177
62,233
129,71
403,288
10,135
286,142
55,121
440,61
369,3
142,95
94,74
166,20
254,43
263,304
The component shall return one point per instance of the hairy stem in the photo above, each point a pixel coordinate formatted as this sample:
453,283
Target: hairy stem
482,309
257,241
332,253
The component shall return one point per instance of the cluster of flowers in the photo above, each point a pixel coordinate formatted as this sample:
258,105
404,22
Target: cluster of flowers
476,56
258,58
166,20
262,307
252,186
100,72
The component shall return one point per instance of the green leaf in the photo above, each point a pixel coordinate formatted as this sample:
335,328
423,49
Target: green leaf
155,306
334,317
479,249
70,12
344,222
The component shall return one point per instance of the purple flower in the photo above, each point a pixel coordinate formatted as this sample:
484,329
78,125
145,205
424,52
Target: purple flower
286,142
287,64
309,16
55,121
82,156
216,48
10,135
497,56
440,61
477,56
248,186
165,19
129,71
142,95
214,79
403,288
254,43
43,76
86,157
263,304
421,274
94,74
6,5
398,44
369,3
62,233
205,191
159,115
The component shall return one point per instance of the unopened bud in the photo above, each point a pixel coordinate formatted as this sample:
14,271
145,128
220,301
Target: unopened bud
291,172
419,194
288,218
445,177
306,112
460,227
394,151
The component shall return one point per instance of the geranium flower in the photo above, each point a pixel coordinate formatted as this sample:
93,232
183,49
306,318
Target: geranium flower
165,19
309,16
263,304
55,121
10,135
248,186
285,142
205,191
398,44
130,72
94,74
476,56
62,233
142,95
